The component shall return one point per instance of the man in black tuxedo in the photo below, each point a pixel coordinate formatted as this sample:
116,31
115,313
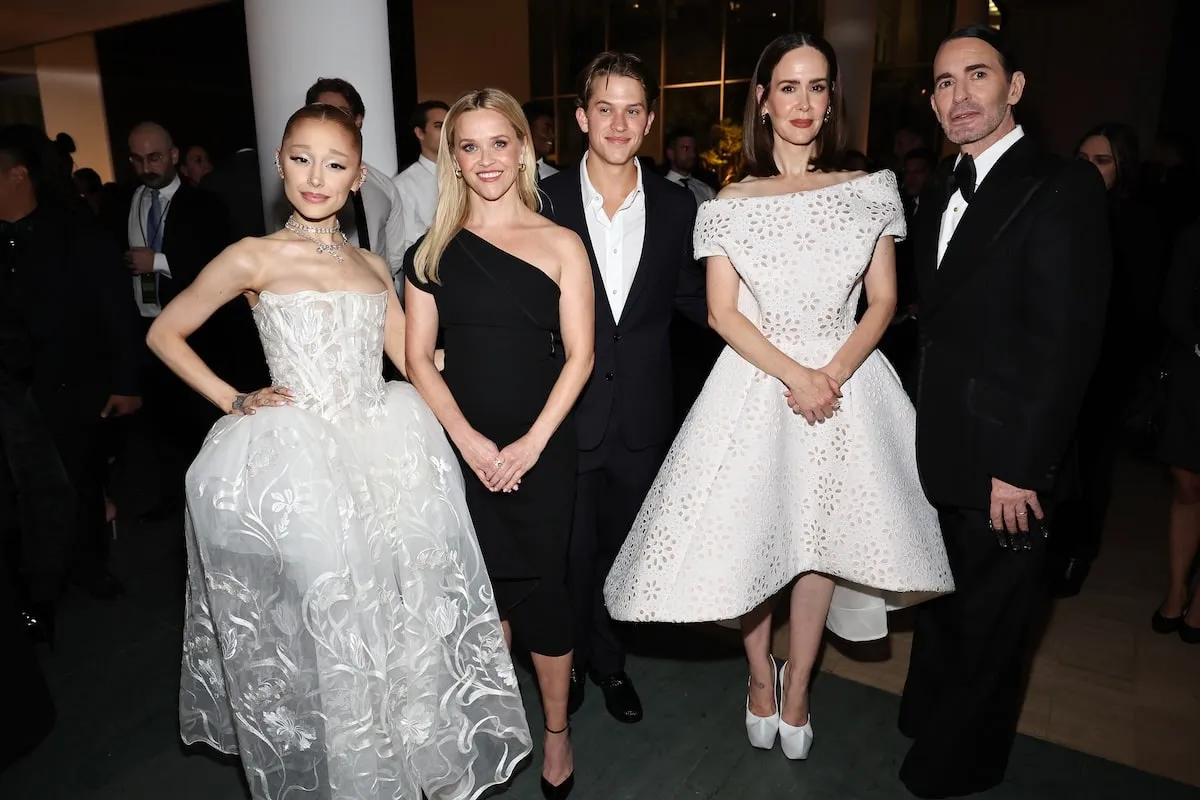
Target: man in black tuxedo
169,231
637,227
1013,268
70,359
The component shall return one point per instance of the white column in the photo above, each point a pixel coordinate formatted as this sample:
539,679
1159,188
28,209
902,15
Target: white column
294,42
850,28
970,12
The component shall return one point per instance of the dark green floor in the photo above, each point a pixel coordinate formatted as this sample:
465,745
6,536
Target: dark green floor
116,668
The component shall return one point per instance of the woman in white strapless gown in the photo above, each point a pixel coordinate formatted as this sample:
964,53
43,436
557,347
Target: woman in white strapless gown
798,459
341,635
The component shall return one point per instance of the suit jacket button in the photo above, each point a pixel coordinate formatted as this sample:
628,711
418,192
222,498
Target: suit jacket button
616,337
609,377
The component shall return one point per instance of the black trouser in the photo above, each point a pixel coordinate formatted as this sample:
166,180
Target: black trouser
1079,523
970,661
39,525
613,481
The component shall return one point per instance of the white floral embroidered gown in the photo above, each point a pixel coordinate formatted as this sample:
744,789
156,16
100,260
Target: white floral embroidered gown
751,495
341,634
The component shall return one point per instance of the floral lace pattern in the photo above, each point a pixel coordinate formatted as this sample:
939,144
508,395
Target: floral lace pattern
750,495
341,635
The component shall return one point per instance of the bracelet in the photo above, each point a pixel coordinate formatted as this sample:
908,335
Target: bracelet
239,402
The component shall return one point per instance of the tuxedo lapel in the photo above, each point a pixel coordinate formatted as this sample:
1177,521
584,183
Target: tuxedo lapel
654,222
572,215
927,226
996,203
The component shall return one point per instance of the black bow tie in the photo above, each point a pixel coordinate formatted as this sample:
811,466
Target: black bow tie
963,179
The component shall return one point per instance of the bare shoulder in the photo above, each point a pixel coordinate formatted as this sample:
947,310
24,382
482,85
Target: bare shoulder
377,265
846,176
743,188
566,243
246,256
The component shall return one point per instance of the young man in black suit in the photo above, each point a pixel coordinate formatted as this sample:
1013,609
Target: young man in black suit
1013,266
637,227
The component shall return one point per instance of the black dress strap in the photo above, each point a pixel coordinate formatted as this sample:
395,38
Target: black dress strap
505,288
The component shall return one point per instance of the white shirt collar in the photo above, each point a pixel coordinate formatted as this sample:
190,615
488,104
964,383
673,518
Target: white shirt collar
167,193
428,163
593,199
988,158
678,176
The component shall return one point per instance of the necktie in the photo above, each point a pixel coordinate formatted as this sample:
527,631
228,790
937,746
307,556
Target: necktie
684,183
360,221
154,237
963,178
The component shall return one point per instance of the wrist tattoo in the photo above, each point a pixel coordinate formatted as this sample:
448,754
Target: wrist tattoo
239,402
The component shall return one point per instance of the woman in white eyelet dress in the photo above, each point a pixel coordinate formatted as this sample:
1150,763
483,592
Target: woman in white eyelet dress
750,496
340,632
797,462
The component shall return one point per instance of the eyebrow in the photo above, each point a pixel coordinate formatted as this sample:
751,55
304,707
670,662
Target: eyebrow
970,68
602,101
309,147
495,138
792,82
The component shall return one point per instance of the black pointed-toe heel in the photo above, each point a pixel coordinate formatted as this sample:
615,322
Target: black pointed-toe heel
1161,624
562,790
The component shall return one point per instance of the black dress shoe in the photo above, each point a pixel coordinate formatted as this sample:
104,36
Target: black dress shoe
38,622
1188,634
620,698
576,693
1069,581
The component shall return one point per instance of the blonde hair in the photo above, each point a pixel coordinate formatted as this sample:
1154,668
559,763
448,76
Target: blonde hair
453,204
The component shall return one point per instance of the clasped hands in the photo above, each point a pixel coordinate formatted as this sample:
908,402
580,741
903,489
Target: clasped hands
500,470
813,393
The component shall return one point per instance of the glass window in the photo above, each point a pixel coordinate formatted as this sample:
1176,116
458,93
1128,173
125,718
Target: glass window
570,141
697,108
693,41
541,47
581,38
635,26
750,26
735,100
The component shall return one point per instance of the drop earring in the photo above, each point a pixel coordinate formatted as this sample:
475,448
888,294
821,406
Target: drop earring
764,118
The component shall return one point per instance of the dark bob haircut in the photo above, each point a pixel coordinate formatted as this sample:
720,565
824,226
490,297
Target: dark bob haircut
759,137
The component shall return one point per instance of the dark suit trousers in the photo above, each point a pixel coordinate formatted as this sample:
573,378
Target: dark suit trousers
613,481
42,525
970,661
1079,523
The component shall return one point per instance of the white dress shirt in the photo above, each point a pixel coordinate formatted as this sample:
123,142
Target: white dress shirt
545,170
617,242
139,227
957,206
699,189
418,190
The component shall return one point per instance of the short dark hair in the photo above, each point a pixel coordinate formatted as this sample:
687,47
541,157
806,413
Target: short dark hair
922,154
675,134
337,86
27,146
759,138
535,110
611,64
420,114
993,38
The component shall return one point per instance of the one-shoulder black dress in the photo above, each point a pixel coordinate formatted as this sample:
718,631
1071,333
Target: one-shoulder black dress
500,329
